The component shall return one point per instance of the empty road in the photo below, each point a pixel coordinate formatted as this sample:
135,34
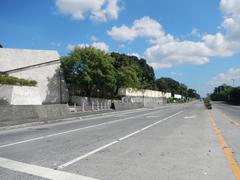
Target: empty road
183,141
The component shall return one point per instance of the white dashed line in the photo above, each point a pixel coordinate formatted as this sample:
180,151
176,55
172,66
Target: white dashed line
114,142
75,130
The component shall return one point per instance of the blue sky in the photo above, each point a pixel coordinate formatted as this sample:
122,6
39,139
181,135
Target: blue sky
195,42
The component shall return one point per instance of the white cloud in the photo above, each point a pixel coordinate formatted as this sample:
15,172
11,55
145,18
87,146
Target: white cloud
167,51
195,32
166,55
98,45
144,27
122,33
94,38
99,10
101,45
136,54
231,23
226,77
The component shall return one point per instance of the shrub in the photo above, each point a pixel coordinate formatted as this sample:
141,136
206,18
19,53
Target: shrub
207,103
9,80
170,100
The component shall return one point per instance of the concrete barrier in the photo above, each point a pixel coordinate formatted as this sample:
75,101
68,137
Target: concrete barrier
90,104
97,104
119,105
145,101
20,95
12,115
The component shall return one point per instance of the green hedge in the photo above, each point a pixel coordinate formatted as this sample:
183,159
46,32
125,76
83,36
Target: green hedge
9,80
207,103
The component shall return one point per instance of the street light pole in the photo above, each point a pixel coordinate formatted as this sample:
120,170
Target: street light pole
233,82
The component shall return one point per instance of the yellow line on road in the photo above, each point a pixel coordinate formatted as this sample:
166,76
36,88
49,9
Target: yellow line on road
227,152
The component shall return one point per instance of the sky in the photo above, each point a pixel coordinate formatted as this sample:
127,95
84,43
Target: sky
194,42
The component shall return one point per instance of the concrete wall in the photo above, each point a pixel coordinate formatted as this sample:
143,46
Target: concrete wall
120,105
13,115
90,104
145,101
177,96
18,58
48,82
40,65
6,93
20,95
142,93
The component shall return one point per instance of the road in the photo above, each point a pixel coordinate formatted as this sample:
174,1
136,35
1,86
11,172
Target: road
170,142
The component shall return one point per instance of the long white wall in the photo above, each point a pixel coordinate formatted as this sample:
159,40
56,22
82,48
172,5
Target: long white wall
42,66
18,58
140,93
20,95
48,82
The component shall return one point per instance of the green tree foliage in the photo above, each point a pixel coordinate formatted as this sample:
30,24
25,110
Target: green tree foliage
90,72
127,71
192,93
235,95
133,72
183,90
147,75
166,84
94,73
226,93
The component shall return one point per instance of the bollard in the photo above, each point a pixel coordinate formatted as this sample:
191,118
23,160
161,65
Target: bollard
97,106
75,107
83,107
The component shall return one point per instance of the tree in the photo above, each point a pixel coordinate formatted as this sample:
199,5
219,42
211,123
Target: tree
221,93
183,90
142,75
147,75
192,93
1,46
89,72
226,93
168,85
234,95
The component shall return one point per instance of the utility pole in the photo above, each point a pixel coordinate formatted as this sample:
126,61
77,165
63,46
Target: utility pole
233,82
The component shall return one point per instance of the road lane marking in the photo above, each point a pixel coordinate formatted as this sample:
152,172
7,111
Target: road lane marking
75,130
232,162
229,119
152,116
40,171
114,142
190,117
63,121
70,120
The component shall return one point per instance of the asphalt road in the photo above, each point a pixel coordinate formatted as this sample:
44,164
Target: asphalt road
169,142
228,120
